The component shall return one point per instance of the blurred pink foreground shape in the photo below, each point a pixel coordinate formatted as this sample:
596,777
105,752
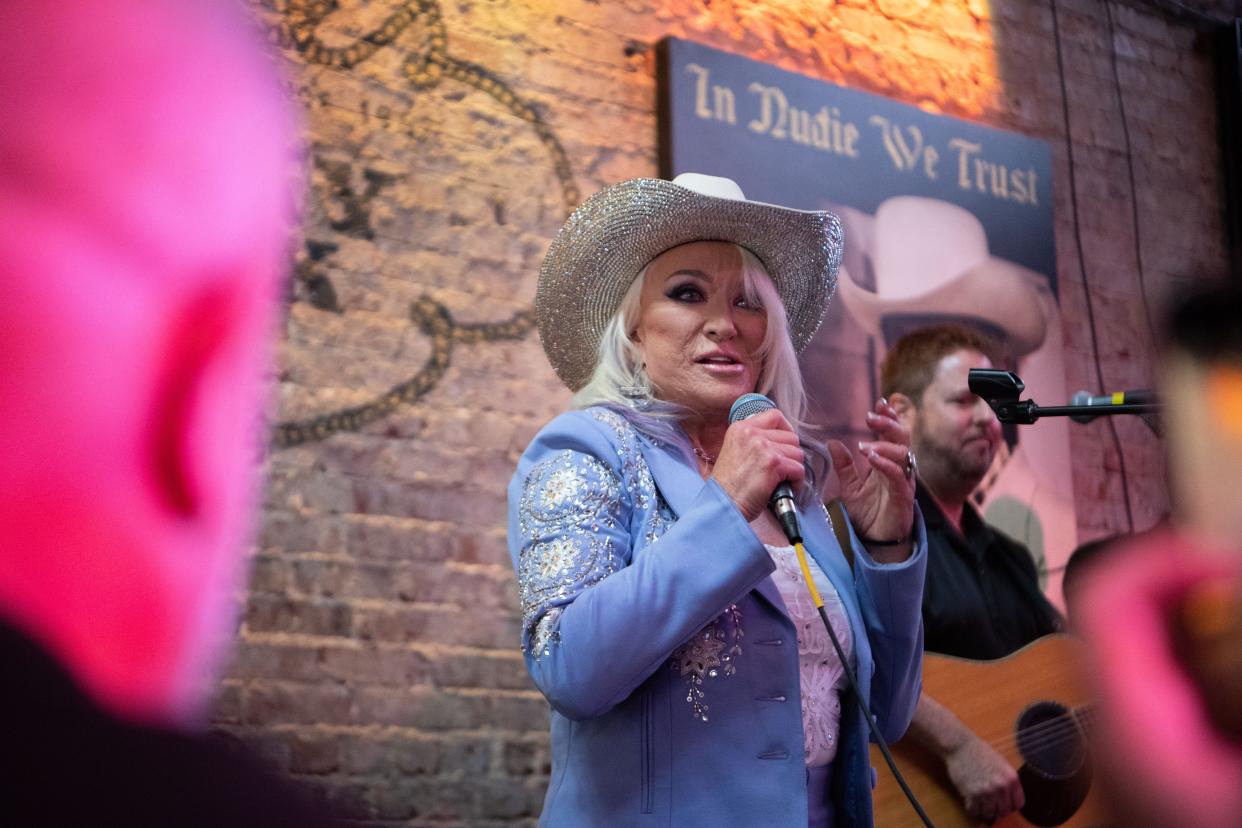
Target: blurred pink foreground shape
144,208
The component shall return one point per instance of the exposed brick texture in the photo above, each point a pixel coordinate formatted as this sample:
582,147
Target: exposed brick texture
377,649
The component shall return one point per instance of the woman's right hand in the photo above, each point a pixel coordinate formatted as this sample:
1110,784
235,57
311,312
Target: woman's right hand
756,455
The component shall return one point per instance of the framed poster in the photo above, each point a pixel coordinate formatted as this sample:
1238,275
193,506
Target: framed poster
944,220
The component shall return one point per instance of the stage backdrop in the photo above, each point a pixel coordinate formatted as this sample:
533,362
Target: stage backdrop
944,220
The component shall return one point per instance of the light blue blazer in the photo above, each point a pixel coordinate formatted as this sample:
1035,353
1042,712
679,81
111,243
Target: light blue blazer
652,626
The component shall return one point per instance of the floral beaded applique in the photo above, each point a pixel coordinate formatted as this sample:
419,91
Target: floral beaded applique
574,521
711,653
569,516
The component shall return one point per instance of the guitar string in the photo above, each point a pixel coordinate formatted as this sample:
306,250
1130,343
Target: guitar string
1048,733
1051,733
1028,746
1083,714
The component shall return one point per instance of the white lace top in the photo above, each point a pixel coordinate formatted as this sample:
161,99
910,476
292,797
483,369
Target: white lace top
822,676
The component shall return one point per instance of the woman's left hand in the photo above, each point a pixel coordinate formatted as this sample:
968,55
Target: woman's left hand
878,491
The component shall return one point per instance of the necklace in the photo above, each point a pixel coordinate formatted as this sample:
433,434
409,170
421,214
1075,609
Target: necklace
704,456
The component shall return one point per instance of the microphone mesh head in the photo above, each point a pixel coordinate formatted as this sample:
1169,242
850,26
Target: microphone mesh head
748,405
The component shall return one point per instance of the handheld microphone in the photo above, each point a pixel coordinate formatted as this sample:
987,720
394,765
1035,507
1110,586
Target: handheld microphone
782,500
782,505
1140,397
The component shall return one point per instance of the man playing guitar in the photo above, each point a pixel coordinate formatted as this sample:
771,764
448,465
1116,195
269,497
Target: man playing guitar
982,598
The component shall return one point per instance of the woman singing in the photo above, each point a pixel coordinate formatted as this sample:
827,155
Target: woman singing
665,616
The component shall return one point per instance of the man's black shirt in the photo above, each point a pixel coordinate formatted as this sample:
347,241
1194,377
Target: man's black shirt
982,597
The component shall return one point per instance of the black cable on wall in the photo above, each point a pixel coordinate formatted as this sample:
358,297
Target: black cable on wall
1182,12
1125,131
1082,261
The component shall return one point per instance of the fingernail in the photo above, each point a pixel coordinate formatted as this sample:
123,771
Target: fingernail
883,400
863,446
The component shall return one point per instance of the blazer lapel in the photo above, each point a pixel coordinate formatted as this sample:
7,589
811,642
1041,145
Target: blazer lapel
679,485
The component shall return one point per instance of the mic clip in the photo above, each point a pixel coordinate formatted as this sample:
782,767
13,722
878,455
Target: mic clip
1001,391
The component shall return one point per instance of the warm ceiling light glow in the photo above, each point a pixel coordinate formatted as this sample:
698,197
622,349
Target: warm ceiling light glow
936,54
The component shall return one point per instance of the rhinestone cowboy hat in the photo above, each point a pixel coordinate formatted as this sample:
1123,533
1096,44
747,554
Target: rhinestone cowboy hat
615,233
930,258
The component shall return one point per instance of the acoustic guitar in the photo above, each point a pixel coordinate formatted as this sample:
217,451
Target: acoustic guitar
1032,707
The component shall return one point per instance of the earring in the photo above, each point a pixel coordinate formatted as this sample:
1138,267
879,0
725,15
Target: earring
636,395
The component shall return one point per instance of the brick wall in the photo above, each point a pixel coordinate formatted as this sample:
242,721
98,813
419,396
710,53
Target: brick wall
377,645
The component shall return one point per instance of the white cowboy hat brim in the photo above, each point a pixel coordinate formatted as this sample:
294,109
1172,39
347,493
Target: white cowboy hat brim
615,233
996,291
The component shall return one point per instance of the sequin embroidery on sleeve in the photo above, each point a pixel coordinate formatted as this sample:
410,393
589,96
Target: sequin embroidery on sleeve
570,507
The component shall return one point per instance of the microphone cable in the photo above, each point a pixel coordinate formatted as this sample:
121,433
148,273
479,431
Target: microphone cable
782,506
853,682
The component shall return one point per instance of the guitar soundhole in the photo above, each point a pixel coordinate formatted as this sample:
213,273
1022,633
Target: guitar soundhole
1049,740
1056,774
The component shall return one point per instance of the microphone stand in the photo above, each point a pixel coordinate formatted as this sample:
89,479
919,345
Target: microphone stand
1025,412
1001,389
